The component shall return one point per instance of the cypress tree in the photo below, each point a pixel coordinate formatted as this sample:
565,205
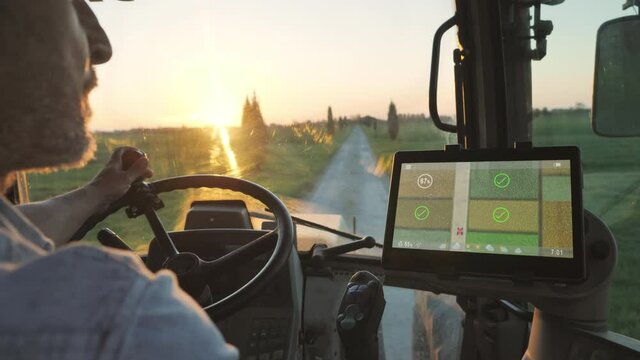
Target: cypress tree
331,126
258,126
392,121
247,116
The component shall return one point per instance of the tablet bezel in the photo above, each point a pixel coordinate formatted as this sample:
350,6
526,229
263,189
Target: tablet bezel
482,264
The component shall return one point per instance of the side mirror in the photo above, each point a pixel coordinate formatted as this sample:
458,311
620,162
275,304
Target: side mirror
616,94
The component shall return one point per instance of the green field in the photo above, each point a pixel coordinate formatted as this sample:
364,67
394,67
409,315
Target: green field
611,190
512,239
523,185
288,164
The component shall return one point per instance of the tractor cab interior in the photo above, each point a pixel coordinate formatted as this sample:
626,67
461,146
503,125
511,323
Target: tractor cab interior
501,231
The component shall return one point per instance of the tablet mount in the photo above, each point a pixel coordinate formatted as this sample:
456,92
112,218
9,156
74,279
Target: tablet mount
569,320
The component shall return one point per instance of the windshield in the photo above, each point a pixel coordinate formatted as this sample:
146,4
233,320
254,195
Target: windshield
293,97
311,100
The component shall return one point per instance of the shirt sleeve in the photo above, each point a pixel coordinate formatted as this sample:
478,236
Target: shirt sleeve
168,324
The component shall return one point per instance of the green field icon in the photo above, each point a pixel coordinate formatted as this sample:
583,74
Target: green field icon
501,180
421,212
501,214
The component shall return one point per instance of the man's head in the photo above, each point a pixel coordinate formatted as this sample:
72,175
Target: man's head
47,52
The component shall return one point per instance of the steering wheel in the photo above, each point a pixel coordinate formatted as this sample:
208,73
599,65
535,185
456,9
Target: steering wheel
190,269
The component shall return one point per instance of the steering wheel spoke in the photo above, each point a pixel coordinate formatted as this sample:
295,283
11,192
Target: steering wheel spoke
161,234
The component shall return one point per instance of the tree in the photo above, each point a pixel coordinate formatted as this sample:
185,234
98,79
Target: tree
247,114
331,125
252,123
392,121
259,127
255,135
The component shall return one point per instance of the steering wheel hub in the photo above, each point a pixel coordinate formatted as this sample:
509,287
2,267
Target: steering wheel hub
185,263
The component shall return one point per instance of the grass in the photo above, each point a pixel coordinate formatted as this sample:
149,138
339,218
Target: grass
295,156
611,191
288,164
415,134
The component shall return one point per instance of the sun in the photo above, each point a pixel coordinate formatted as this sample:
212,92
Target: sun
219,118
218,109
216,116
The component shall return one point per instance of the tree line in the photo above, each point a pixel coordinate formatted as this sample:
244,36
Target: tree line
394,119
254,127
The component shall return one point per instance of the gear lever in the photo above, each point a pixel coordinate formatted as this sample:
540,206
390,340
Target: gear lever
359,316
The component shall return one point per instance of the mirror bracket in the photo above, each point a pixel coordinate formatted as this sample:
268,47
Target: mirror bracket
541,28
631,3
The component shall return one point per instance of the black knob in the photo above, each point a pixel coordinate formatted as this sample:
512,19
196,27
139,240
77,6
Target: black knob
359,316
129,157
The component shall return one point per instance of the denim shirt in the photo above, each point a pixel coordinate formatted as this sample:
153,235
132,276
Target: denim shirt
82,302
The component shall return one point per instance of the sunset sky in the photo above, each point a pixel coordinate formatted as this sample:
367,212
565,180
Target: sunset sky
192,62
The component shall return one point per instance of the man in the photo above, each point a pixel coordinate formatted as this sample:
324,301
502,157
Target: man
79,302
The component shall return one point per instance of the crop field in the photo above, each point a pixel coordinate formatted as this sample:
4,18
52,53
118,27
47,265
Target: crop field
288,164
611,190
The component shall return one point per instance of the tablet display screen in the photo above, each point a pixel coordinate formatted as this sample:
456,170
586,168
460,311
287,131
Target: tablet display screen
521,208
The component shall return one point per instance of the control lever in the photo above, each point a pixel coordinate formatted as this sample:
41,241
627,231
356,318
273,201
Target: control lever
359,316
313,225
320,252
109,238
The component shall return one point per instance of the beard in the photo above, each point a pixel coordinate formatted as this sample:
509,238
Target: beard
71,145
46,127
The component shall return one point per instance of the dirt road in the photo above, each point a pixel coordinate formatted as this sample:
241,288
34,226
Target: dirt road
350,188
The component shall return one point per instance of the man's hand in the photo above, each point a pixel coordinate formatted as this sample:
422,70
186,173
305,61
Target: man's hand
60,217
113,182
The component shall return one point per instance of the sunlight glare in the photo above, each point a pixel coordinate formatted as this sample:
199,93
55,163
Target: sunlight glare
225,140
